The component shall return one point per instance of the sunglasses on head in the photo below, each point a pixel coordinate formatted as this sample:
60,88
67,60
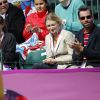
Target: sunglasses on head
3,2
88,17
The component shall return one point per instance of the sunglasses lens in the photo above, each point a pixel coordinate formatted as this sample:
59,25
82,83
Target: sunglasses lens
83,18
88,17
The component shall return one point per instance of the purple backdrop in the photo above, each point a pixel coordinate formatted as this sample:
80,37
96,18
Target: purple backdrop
68,84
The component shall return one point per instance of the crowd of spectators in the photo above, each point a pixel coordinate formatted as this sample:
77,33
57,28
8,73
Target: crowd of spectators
69,34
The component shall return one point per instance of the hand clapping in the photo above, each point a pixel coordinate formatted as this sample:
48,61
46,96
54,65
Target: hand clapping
77,46
34,29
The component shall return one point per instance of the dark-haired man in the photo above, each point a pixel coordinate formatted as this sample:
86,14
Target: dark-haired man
7,46
87,44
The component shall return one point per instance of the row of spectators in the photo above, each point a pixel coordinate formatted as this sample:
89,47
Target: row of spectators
69,34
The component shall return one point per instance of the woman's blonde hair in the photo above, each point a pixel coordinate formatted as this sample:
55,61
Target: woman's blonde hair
54,17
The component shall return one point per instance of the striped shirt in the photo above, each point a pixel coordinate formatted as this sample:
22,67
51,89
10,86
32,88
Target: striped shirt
86,38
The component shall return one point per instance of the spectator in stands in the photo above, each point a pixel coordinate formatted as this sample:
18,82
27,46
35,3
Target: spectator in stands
59,54
7,44
87,44
67,10
35,22
14,18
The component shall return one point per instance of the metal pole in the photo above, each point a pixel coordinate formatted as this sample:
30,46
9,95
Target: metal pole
98,11
1,58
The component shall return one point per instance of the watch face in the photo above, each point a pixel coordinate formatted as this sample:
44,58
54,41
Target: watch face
12,95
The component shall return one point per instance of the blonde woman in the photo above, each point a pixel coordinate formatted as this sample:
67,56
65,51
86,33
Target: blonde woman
59,54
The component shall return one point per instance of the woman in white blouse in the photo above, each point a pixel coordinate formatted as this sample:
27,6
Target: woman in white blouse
59,54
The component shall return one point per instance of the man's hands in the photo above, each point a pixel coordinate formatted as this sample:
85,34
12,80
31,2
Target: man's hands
77,46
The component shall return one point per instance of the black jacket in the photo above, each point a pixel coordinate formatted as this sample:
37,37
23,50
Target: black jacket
9,48
92,51
15,22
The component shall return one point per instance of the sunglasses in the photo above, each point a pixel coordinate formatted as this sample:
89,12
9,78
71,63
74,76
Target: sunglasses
3,2
88,17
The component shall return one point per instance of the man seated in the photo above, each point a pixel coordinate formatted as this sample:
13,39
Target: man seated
14,18
7,45
87,44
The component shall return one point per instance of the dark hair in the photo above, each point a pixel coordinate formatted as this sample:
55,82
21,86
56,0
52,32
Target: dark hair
2,22
84,8
47,5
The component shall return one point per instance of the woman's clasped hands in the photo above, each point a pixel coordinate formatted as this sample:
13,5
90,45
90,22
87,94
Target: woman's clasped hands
49,61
